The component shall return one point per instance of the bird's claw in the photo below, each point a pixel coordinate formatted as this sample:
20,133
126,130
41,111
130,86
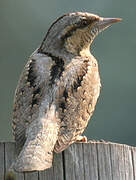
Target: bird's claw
82,139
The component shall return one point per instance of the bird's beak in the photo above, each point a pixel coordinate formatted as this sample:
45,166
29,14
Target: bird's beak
103,23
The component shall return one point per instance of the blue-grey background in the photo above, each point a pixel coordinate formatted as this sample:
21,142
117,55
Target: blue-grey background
23,25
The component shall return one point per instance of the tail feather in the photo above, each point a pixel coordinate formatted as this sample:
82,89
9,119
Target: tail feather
37,153
63,141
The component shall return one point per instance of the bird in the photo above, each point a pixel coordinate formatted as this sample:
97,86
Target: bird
57,91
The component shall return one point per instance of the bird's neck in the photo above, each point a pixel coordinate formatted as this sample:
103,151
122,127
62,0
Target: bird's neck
79,43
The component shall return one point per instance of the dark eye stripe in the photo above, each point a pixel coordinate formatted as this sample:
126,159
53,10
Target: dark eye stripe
80,25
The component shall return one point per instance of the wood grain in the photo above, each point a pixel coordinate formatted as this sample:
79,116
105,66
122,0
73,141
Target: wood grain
81,161
2,157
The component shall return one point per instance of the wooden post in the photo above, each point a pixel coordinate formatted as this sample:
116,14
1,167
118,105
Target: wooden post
81,161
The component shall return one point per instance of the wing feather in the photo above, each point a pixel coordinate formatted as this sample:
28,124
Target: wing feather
31,89
79,89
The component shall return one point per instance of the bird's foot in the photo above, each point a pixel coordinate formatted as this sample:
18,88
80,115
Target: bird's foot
82,139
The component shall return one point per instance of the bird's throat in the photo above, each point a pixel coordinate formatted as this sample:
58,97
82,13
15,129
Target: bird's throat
85,52
79,43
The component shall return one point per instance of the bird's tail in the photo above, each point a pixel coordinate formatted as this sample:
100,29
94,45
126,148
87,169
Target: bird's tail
37,153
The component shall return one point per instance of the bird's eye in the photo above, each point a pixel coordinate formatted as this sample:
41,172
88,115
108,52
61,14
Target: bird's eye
84,22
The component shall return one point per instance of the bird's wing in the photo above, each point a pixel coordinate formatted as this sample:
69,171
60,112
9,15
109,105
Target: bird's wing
78,92
70,99
30,92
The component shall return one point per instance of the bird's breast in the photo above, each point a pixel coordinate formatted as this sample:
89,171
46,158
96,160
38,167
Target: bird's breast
78,91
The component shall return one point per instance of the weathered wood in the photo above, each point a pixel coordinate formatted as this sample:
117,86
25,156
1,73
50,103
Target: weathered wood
81,161
74,162
55,172
2,157
10,156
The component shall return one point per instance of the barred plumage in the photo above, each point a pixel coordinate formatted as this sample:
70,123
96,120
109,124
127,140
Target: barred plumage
58,90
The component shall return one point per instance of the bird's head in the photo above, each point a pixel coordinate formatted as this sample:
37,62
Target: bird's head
74,33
